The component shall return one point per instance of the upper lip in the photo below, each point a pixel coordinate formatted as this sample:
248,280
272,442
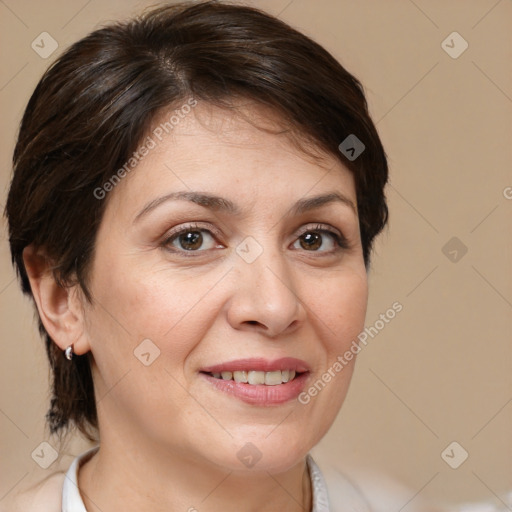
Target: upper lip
259,364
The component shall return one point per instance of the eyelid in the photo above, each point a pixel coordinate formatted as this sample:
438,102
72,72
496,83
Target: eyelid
183,228
318,226
339,238
191,227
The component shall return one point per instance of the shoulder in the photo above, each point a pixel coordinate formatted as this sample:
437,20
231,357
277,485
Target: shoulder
45,496
370,491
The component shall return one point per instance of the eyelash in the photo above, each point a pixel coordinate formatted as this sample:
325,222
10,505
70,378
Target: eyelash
339,239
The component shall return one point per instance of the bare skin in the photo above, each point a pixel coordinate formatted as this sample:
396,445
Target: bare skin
169,438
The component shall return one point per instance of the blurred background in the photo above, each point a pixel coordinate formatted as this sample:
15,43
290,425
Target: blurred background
430,404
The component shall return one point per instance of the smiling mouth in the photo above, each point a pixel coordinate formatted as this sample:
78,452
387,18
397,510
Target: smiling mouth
256,378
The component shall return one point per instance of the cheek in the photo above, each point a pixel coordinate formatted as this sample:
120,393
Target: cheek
340,310
171,308
340,307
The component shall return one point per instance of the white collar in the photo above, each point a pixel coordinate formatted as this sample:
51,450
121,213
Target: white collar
72,501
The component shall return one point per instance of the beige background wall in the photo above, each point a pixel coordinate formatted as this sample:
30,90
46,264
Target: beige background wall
441,370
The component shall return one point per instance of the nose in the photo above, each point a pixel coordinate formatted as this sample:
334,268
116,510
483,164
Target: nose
265,297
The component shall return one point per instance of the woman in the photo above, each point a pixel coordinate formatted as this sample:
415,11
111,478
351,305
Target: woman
195,197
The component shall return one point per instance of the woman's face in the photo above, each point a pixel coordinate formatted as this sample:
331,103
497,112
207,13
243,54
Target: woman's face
257,281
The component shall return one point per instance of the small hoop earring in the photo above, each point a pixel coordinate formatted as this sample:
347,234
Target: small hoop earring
69,353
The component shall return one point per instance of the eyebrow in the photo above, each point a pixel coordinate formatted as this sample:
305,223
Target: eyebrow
217,203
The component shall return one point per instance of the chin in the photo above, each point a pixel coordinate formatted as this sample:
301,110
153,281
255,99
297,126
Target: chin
265,450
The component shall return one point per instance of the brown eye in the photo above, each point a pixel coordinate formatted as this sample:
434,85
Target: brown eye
321,240
311,241
190,239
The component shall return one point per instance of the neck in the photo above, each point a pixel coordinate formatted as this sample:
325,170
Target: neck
145,480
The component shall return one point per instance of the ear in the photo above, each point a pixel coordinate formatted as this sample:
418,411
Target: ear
60,309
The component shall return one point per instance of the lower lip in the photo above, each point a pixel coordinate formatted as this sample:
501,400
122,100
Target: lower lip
260,394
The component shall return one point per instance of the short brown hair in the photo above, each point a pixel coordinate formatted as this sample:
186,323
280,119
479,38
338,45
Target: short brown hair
93,106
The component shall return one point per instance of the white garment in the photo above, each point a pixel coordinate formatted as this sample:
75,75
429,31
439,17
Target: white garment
72,501
332,491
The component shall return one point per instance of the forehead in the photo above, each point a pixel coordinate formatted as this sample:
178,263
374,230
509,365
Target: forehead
245,153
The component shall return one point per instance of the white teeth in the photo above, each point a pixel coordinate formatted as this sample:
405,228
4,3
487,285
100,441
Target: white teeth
240,376
257,377
273,378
